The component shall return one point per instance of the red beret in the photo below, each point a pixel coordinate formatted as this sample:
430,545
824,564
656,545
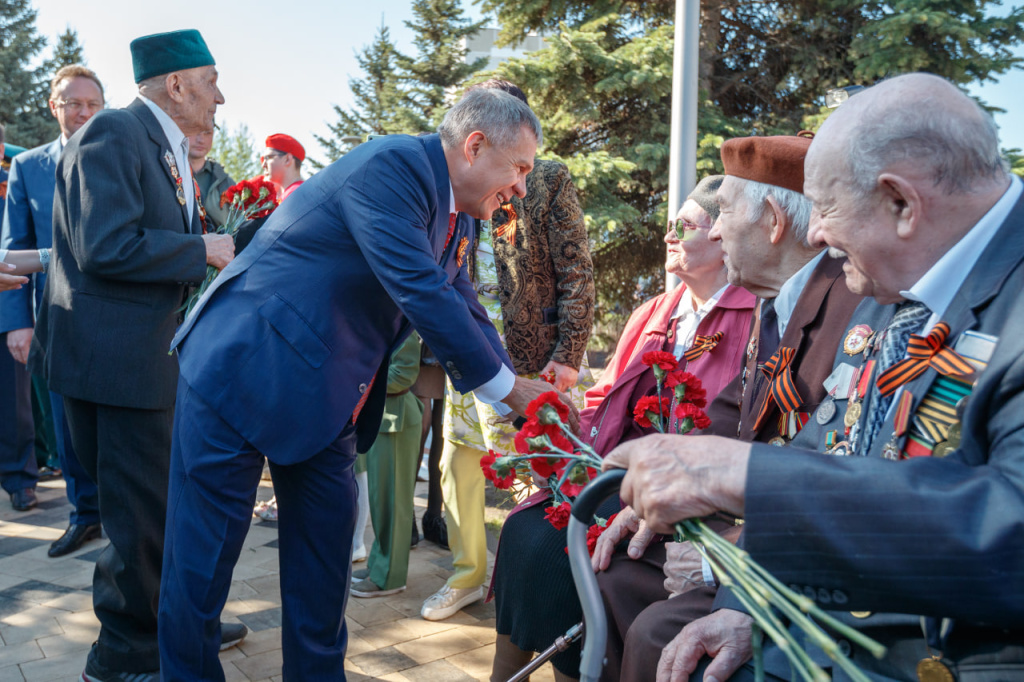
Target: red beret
776,160
286,144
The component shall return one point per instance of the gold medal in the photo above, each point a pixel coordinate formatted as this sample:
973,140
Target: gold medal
943,449
933,670
891,450
856,339
778,441
853,410
954,433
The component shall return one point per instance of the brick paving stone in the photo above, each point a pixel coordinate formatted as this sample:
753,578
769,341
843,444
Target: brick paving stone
20,653
65,667
437,671
434,647
382,662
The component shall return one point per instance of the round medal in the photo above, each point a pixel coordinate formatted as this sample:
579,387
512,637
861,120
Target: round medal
954,433
852,414
943,449
860,614
778,441
856,339
826,410
933,670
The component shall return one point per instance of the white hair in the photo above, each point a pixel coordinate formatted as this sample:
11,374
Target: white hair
795,205
497,114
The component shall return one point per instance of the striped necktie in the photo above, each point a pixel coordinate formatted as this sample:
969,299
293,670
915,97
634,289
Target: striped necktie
907,320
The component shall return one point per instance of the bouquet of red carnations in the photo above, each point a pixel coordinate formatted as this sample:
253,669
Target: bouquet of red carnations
248,199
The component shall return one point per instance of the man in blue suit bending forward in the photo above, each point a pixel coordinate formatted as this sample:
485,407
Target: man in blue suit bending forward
285,354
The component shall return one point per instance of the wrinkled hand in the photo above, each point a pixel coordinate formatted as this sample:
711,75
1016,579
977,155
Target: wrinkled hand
18,343
724,636
683,566
220,250
565,376
525,390
626,522
9,282
670,478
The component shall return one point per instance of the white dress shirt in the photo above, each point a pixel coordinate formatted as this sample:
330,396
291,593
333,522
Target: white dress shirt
690,319
179,147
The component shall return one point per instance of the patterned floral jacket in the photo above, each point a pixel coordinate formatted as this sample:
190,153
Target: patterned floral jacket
546,280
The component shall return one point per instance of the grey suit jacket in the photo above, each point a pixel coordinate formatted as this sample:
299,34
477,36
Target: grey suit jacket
124,255
927,536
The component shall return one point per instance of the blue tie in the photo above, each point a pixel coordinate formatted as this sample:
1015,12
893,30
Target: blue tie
908,320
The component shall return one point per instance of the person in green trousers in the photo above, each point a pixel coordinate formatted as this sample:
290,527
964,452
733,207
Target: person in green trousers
391,465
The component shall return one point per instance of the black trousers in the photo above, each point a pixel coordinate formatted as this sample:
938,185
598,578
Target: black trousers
127,453
18,469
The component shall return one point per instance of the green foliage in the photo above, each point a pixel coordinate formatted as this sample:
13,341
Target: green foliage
1015,160
66,52
27,119
235,149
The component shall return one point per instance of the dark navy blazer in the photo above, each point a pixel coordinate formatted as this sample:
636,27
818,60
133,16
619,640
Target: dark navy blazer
28,224
291,334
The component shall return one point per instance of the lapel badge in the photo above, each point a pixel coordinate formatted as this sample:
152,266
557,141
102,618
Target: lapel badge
460,254
856,340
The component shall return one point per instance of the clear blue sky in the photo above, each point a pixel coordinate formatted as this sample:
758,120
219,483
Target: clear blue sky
284,64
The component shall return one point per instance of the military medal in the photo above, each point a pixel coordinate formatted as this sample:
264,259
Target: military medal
826,410
460,254
179,188
856,340
778,441
901,419
841,449
933,670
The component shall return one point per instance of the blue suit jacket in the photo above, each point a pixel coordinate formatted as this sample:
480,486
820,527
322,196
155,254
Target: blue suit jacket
28,224
293,331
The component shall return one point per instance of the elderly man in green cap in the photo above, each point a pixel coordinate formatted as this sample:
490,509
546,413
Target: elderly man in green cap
129,241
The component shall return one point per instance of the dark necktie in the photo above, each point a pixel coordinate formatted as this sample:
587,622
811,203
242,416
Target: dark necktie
768,337
909,319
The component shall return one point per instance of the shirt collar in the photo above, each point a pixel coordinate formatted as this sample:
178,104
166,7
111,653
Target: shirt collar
685,306
789,292
174,135
939,285
451,197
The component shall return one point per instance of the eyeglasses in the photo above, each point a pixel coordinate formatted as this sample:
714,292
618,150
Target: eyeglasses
265,158
73,106
683,226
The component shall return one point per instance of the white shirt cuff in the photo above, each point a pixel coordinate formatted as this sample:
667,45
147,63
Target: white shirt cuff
3,255
495,390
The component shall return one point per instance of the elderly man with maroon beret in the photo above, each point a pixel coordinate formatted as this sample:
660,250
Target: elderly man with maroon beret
802,316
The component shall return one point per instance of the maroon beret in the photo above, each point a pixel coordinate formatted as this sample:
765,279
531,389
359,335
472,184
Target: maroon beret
286,144
775,160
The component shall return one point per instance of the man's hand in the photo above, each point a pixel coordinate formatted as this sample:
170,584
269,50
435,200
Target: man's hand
670,478
626,522
565,376
220,250
18,342
525,390
683,566
724,636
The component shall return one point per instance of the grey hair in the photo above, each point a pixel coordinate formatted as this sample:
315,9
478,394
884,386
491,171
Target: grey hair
495,113
960,147
795,205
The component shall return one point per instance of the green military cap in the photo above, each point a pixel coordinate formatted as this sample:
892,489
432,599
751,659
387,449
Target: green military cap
161,53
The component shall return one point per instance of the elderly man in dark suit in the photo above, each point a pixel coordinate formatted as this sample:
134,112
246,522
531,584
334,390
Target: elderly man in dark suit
287,355
128,239
76,94
920,510
803,313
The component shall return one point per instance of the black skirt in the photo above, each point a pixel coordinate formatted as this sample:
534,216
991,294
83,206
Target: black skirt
534,595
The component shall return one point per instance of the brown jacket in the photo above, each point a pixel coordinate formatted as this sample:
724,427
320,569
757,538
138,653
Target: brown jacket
815,331
545,275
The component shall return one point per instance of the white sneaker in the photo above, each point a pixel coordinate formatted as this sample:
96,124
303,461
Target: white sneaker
359,554
448,601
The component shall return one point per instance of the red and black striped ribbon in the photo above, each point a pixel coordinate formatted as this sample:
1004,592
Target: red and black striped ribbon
781,389
702,345
924,352
451,230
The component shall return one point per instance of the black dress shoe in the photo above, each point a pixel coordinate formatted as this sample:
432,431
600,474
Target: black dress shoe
435,530
415,535
74,537
232,634
24,499
49,473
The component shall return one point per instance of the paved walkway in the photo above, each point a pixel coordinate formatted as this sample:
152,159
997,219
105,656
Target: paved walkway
47,624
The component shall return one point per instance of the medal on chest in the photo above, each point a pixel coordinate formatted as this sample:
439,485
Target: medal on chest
179,189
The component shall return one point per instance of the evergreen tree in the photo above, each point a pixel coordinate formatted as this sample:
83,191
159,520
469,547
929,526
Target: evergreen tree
235,149
66,52
440,27
382,101
28,120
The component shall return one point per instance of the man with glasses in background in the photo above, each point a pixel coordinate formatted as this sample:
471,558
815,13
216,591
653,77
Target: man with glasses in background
282,163
76,94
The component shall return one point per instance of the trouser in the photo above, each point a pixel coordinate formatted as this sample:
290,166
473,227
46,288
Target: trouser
81,489
214,476
18,468
462,483
42,418
126,451
391,466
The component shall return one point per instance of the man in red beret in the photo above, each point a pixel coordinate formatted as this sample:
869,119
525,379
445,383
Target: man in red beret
802,316
282,163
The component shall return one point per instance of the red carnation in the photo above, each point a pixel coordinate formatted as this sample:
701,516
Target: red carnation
537,408
577,480
497,471
594,532
690,411
650,404
688,388
661,359
547,467
531,429
558,516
